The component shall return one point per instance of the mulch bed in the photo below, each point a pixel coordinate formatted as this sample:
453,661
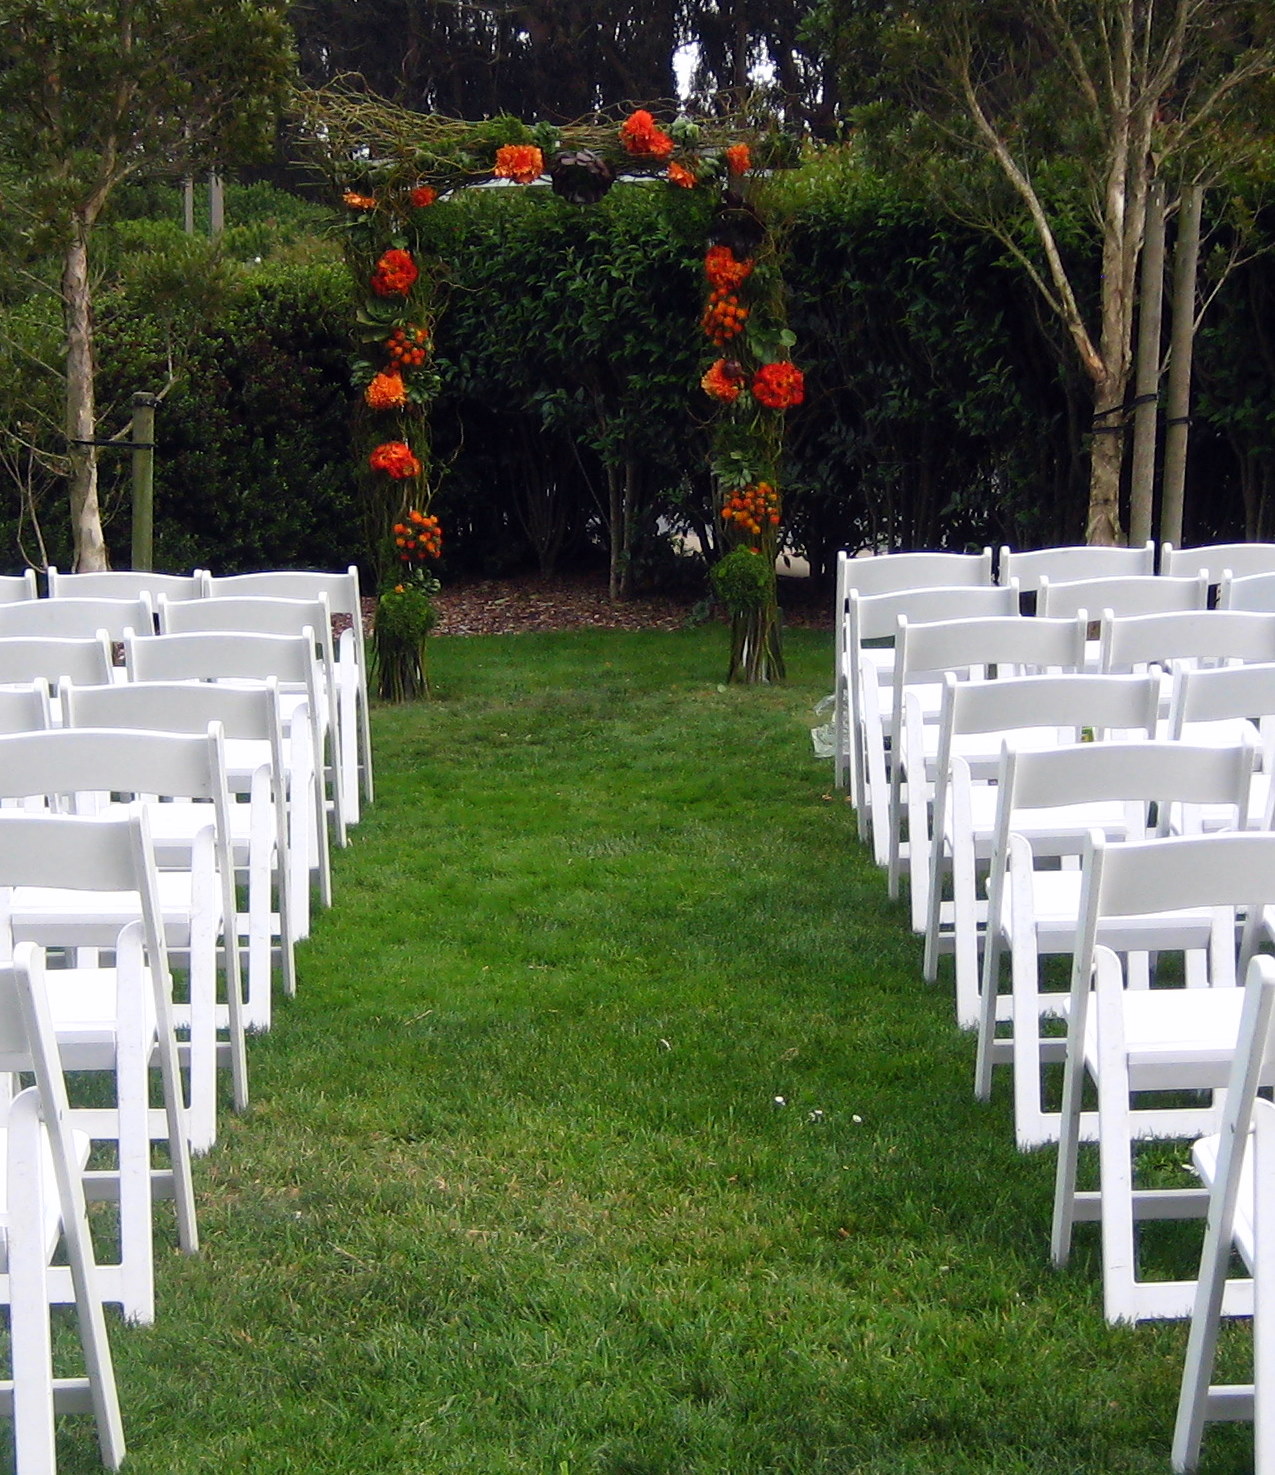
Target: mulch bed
530,603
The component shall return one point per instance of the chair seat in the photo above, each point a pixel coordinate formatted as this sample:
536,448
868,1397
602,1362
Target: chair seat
53,917
1056,907
1205,1157
1184,1035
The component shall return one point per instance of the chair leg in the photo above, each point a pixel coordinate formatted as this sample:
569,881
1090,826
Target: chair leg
30,1334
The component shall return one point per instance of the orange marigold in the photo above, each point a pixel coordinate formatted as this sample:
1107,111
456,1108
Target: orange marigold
394,457
395,274
738,159
779,386
386,391
521,162
641,134
422,196
723,271
681,175
359,202
419,538
724,381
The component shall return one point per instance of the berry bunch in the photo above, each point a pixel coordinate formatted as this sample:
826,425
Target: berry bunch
724,317
407,347
753,508
417,539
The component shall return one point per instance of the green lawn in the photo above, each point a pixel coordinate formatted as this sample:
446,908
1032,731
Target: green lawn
613,1132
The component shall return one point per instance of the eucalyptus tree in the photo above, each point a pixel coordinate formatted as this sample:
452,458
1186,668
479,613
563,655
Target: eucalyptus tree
1044,122
93,94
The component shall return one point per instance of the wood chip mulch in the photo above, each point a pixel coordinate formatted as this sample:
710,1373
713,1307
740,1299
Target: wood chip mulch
529,603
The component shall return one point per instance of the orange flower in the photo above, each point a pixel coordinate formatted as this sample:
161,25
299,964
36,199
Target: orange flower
724,381
419,538
680,174
394,457
738,158
358,202
521,162
779,386
754,508
423,196
723,271
641,134
724,317
386,391
407,347
395,274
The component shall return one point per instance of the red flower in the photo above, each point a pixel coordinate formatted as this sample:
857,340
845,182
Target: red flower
738,159
521,162
386,391
641,134
723,271
779,386
394,457
359,202
419,538
395,274
723,381
681,175
423,196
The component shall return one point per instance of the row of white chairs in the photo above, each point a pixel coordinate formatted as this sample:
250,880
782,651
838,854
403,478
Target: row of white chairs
1152,838
134,816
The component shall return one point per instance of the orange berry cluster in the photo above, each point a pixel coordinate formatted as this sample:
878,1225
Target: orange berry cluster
419,538
407,347
754,508
724,317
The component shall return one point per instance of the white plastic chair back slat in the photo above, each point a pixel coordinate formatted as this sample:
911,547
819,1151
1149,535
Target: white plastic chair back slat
1147,595
17,587
26,659
77,619
125,584
1253,592
1135,641
1212,559
1067,564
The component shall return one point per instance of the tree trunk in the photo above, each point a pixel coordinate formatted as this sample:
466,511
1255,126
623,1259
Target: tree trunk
615,519
1106,459
81,412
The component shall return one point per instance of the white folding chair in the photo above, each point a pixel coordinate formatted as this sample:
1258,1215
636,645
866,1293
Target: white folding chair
76,619
43,1206
125,584
81,769
872,736
253,734
1068,564
262,616
15,587
26,708
977,716
113,1019
1034,910
26,659
1131,1040
1219,704
885,573
239,659
346,603
926,654
1242,559
1237,1166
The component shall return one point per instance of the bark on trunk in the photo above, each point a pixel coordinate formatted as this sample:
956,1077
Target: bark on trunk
1106,458
81,412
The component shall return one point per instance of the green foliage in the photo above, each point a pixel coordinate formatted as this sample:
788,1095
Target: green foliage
741,580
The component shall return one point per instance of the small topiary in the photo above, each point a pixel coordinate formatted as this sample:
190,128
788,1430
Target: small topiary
740,581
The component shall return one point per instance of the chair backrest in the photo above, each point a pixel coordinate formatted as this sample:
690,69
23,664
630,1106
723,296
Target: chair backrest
1220,694
1247,592
25,708
255,614
248,712
1063,565
995,640
222,656
77,619
876,617
16,587
341,590
1130,641
1213,559
125,584
1150,594
24,659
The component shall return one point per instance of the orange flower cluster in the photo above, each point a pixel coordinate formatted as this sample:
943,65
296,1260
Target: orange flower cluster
779,386
521,162
724,317
679,174
419,538
423,196
359,202
395,274
738,159
754,508
641,134
722,269
386,391
407,347
394,458
723,381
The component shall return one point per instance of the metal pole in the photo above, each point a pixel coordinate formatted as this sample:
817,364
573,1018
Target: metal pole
1147,393
1177,402
144,480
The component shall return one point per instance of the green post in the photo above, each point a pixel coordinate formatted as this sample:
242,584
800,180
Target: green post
144,480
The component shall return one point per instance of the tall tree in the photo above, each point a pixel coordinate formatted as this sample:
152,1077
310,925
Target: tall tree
1044,121
92,95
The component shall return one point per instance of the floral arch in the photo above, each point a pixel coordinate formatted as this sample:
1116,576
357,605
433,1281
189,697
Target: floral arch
391,166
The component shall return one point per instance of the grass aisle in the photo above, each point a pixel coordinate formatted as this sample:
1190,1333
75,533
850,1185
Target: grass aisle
612,1132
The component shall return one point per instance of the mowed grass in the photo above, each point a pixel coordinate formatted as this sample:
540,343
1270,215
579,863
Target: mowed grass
613,1132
